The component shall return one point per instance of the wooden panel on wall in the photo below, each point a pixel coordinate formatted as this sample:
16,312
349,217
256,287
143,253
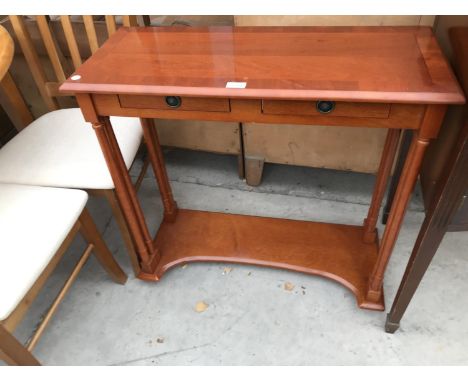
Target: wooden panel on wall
333,20
193,20
219,137
321,146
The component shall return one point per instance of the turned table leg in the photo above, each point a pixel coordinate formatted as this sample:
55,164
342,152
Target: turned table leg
157,162
397,213
126,194
386,163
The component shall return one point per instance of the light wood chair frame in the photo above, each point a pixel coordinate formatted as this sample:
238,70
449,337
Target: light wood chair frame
49,89
11,350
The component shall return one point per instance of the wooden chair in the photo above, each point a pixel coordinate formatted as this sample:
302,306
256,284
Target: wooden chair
37,226
60,149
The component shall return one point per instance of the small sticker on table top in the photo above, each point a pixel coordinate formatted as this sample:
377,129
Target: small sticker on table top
236,85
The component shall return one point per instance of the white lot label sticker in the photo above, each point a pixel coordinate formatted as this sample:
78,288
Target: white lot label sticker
236,85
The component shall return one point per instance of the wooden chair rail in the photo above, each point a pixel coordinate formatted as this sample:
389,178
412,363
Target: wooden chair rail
32,341
10,349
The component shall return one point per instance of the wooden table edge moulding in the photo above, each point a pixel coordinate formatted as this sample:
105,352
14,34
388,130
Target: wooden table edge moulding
379,77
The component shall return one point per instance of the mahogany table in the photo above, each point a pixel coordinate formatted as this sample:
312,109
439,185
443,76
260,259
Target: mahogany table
384,77
450,195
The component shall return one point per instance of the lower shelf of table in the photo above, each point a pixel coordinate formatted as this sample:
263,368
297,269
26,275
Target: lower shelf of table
334,251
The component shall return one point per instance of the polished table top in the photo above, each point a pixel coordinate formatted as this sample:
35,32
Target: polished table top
379,64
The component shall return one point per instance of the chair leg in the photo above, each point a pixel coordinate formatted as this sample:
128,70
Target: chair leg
91,234
119,218
13,351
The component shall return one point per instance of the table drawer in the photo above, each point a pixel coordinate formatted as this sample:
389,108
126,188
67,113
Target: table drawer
174,103
326,108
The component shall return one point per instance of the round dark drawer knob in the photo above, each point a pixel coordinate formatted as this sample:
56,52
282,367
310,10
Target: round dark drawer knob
325,107
173,101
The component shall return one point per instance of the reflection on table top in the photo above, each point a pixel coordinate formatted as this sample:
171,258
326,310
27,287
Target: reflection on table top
386,64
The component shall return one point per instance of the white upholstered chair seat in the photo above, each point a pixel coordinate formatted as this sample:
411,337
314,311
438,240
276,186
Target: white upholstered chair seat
60,149
34,221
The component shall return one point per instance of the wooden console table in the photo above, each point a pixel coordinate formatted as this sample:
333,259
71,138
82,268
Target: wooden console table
385,77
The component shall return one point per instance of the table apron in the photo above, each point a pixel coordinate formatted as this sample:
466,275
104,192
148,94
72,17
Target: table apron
400,116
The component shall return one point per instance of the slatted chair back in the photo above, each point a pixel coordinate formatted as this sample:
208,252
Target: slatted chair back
48,88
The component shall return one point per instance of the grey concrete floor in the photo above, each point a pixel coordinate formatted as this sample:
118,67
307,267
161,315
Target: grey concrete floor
251,319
